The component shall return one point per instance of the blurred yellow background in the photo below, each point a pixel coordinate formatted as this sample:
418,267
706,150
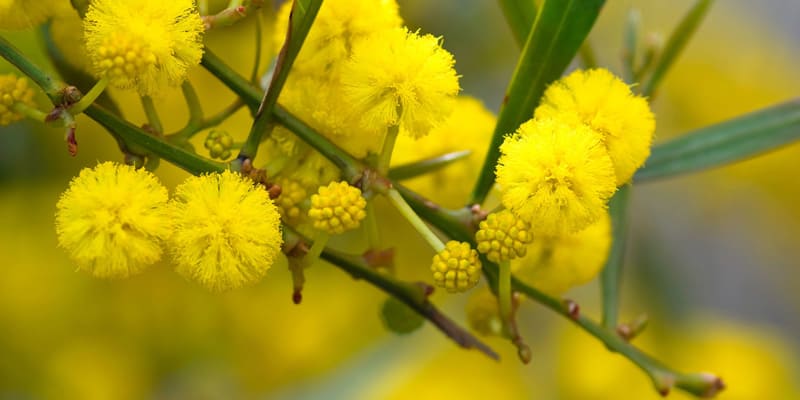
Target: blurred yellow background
713,258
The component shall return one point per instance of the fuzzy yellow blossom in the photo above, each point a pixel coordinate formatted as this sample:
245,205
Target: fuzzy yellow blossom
13,90
227,231
469,128
556,264
457,267
337,207
398,77
503,237
143,44
556,177
338,24
22,14
606,104
112,220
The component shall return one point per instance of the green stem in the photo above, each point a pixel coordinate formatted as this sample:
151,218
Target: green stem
30,112
313,254
259,39
193,103
504,293
663,378
408,213
52,87
612,272
152,114
385,159
89,98
371,225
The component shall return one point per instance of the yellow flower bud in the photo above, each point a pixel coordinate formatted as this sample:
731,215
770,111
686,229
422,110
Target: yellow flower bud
13,90
502,236
292,194
337,207
457,267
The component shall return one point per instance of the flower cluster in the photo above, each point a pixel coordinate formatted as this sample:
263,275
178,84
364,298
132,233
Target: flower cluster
456,268
223,231
559,169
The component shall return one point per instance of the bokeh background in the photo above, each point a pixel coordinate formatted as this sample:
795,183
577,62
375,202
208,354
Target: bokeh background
713,258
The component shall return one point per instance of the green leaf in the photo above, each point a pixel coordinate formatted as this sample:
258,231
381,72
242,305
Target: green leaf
558,32
417,168
676,43
610,276
301,18
520,15
725,143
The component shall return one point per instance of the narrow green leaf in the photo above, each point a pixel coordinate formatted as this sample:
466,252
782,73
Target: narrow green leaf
725,143
558,32
520,15
676,43
417,168
611,274
301,18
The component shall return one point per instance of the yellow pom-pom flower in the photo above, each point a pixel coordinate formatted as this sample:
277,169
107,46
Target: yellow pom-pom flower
556,264
502,236
606,104
469,128
112,220
13,90
457,267
227,231
398,77
143,44
338,24
556,177
337,207
292,194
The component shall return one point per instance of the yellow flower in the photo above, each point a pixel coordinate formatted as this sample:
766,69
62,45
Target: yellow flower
457,267
143,44
556,264
469,128
502,236
112,219
13,90
337,207
22,14
338,24
227,231
398,77
554,176
605,103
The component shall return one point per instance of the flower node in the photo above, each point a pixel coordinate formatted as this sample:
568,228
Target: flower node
456,268
337,207
503,237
